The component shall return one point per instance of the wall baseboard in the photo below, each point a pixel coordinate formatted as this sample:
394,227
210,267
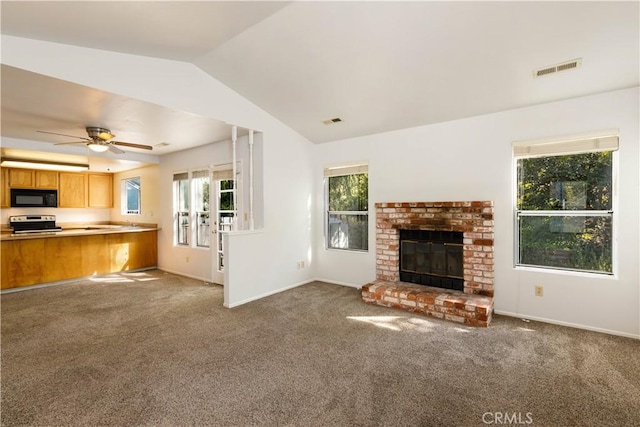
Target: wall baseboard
568,324
335,282
177,273
257,297
69,281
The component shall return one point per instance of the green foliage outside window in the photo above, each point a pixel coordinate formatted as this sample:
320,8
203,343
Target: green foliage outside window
577,191
348,201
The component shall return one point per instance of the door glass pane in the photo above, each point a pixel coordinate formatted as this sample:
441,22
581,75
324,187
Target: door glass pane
225,215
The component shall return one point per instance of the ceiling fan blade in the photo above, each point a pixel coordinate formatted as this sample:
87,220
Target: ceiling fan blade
132,145
115,149
71,143
62,134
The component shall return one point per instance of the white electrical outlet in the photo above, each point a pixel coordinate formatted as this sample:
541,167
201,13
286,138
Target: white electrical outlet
539,291
301,264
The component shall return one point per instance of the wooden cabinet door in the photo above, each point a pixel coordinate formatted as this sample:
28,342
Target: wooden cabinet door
100,190
73,190
21,178
47,179
4,189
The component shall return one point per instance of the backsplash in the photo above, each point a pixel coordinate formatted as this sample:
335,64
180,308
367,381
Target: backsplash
62,214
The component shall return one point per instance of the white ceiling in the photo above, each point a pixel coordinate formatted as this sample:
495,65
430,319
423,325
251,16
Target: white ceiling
379,66
33,102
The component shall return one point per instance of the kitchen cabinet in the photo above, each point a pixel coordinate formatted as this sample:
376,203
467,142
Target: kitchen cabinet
46,179
4,189
22,178
30,178
100,190
50,259
72,192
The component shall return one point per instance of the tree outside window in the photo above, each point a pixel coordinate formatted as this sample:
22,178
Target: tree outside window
565,211
347,198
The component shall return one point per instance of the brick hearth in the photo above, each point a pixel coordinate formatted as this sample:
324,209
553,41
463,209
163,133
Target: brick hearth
475,220
456,306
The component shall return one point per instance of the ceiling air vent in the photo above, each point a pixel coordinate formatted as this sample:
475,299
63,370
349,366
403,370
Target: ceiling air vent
332,121
569,65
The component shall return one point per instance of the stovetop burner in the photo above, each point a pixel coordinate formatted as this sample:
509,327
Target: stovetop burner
23,224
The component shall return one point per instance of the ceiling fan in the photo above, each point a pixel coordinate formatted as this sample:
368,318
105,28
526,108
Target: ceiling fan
99,140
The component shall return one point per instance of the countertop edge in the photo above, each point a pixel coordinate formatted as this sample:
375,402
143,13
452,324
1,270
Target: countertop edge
76,233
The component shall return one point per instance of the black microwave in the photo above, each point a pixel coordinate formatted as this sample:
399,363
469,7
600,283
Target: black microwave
33,198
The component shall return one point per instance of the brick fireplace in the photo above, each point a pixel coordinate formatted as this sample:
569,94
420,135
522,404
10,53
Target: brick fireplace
474,219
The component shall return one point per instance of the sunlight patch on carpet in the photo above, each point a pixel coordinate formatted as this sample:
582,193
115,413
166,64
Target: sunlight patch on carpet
396,323
124,278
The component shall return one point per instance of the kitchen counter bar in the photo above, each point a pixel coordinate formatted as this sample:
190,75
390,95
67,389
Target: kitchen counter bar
79,231
33,259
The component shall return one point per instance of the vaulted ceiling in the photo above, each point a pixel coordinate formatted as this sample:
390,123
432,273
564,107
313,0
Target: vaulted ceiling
378,66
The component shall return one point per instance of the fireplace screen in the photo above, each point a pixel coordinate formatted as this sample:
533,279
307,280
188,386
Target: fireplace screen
432,258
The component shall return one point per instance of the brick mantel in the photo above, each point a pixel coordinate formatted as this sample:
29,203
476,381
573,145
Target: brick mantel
474,219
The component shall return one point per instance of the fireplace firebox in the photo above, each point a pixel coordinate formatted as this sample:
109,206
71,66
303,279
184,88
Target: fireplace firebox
432,258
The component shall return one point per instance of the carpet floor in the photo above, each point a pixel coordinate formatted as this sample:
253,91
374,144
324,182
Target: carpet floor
157,349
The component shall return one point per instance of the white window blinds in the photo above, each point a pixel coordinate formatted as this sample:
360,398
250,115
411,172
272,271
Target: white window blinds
346,170
181,176
573,144
204,173
223,174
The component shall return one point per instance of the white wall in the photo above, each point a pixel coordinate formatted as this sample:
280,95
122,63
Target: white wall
471,159
149,195
287,177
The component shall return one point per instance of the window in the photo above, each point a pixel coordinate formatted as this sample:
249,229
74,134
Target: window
130,196
564,203
200,184
347,205
181,207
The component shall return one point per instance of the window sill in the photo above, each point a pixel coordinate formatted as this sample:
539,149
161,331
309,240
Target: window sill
242,232
586,274
349,251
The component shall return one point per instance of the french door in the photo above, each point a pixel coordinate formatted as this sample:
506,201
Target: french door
225,214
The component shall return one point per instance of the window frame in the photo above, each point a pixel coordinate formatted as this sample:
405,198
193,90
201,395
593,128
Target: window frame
124,196
194,176
569,145
337,171
178,213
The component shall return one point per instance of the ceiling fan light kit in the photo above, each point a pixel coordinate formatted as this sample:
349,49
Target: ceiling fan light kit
98,148
99,140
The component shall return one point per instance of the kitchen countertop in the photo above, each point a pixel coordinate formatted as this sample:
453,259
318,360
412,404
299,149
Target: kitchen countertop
79,230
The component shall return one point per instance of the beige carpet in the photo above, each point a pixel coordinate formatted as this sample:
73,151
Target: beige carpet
158,349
